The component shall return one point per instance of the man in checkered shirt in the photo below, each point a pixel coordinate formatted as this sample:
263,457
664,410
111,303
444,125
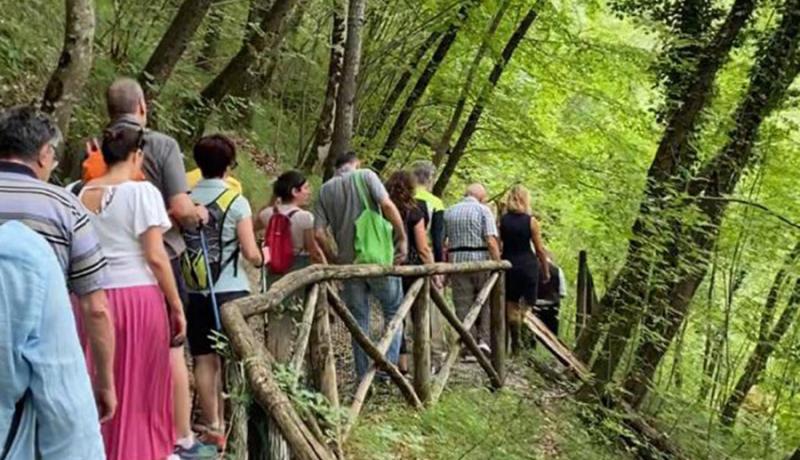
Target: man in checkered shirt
471,235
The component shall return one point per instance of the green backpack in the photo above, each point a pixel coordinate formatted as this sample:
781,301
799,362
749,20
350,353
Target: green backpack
373,243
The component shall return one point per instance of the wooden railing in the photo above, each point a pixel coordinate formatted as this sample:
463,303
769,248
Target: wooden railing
301,431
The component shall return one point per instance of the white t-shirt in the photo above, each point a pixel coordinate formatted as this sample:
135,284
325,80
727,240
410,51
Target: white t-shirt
128,210
301,220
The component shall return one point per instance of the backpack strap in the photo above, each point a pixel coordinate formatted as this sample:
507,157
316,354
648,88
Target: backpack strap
225,201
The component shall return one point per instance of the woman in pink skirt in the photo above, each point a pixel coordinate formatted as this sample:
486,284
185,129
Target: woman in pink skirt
130,218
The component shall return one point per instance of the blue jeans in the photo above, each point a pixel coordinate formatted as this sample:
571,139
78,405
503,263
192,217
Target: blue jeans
389,292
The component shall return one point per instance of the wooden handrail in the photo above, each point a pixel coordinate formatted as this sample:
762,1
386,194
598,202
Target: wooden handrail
292,282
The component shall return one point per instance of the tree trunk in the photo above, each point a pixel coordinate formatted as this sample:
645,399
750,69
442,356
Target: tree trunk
68,79
443,146
240,71
400,85
667,175
211,39
346,96
486,92
776,67
323,136
757,362
172,45
422,84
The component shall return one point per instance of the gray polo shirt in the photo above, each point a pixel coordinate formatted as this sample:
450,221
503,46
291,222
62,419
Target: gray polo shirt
339,206
163,167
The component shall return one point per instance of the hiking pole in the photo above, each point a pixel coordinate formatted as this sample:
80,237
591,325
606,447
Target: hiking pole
214,306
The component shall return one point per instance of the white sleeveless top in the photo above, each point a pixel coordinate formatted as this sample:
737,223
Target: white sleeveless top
127,210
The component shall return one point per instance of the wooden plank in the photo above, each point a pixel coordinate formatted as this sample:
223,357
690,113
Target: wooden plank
362,339
455,348
296,280
581,316
555,346
421,319
466,337
258,364
498,327
383,345
304,330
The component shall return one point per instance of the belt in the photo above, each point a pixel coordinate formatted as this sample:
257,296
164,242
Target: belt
469,249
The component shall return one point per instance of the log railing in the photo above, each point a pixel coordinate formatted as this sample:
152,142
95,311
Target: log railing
301,432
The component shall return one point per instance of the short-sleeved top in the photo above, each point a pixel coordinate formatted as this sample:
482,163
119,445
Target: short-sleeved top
127,211
163,167
467,225
233,277
41,356
59,217
339,206
301,220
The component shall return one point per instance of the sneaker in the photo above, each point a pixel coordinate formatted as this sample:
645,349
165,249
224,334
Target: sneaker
214,438
485,348
198,451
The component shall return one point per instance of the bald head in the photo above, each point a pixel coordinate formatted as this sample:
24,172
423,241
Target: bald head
125,97
476,191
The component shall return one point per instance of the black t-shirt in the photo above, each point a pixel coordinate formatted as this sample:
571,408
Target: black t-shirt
412,219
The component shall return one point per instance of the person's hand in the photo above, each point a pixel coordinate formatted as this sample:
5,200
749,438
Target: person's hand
400,252
202,214
92,146
178,325
438,282
106,400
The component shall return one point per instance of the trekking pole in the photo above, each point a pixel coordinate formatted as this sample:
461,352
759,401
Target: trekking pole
214,306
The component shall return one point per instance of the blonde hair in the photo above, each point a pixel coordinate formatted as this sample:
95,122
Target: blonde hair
518,200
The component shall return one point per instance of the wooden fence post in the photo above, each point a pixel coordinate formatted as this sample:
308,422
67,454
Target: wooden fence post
420,315
581,299
498,326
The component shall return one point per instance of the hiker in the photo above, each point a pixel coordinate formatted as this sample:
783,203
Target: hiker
424,172
551,291
194,176
401,191
28,154
356,195
42,369
518,229
471,235
228,238
163,167
130,219
291,195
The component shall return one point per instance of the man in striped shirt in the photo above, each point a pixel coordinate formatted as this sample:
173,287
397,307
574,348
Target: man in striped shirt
28,155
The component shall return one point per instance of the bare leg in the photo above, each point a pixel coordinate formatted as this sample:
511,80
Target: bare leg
181,397
514,320
207,375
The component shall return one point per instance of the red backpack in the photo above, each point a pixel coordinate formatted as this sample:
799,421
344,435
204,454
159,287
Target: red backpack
278,238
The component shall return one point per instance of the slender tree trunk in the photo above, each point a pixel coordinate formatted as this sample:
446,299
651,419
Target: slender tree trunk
400,85
172,45
211,39
241,70
346,96
486,92
757,362
776,67
631,289
443,146
424,80
323,137
70,76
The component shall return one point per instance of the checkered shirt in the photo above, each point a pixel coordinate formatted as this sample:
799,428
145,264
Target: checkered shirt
467,224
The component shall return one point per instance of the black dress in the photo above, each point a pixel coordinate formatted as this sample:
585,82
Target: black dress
523,277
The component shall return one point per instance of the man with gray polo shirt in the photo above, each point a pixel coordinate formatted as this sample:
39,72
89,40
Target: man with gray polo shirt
337,209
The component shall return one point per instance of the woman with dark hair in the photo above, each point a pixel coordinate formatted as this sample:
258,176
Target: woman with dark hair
291,194
231,225
402,189
130,218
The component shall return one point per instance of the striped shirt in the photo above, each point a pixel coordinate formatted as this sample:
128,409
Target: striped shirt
60,218
467,225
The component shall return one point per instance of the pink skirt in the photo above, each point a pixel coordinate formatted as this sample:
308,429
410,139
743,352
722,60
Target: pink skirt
142,428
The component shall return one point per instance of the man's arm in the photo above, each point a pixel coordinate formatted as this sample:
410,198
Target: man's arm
490,232
391,214
176,187
494,248
100,332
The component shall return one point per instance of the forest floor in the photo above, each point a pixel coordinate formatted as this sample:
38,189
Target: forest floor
529,418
